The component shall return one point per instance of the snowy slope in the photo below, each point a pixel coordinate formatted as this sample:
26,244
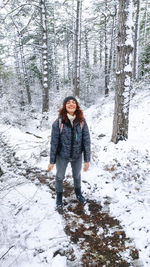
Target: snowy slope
123,170
118,173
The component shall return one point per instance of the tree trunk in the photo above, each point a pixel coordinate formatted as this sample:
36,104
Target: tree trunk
114,42
25,74
17,67
87,67
100,49
106,52
73,45
111,50
56,78
17,64
112,45
1,86
145,23
124,72
46,82
95,59
136,42
77,54
68,58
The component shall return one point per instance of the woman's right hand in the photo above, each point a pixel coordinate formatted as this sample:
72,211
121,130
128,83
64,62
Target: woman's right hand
50,167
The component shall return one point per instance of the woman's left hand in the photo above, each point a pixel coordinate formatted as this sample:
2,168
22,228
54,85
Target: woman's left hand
86,166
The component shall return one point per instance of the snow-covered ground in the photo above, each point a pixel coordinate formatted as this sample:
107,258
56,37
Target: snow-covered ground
31,230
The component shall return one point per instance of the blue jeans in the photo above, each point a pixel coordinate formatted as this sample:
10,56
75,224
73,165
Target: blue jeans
61,165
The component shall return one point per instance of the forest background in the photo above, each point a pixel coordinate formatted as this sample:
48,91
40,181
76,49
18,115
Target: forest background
49,49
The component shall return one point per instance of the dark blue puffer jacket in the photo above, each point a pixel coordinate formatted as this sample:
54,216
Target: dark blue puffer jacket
71,142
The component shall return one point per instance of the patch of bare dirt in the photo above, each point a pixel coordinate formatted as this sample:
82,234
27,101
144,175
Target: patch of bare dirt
99,236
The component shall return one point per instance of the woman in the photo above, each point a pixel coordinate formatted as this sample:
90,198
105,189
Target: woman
69,138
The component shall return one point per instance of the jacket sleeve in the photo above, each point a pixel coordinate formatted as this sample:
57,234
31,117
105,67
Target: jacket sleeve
55,135
86,142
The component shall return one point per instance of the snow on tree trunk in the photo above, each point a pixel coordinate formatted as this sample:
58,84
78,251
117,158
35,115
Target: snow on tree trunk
25,74
17,67
124,71
56,78
68,59
73,43
106,51
77,54
87,69
136,41
45,104
114,42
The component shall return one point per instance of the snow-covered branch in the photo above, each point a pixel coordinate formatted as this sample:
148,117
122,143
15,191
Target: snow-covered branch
20,8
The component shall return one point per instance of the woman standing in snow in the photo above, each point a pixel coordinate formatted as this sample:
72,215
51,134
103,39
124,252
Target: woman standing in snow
69,139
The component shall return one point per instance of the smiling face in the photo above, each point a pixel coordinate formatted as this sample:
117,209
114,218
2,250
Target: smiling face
71,107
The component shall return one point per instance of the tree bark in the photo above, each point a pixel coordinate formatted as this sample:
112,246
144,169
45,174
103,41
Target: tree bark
56,77
106,52
114,42
136,42
100,49
46,82
1,86
77,54
87,67
145,23
68,58
17,67
124,72
73,45
111,49
25,74
95,58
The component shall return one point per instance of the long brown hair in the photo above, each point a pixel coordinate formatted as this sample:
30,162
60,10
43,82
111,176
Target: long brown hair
78,113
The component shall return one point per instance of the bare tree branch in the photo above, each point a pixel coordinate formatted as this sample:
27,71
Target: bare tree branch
6,252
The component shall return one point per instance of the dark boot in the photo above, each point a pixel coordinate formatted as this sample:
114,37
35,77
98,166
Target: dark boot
59,200
79,195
